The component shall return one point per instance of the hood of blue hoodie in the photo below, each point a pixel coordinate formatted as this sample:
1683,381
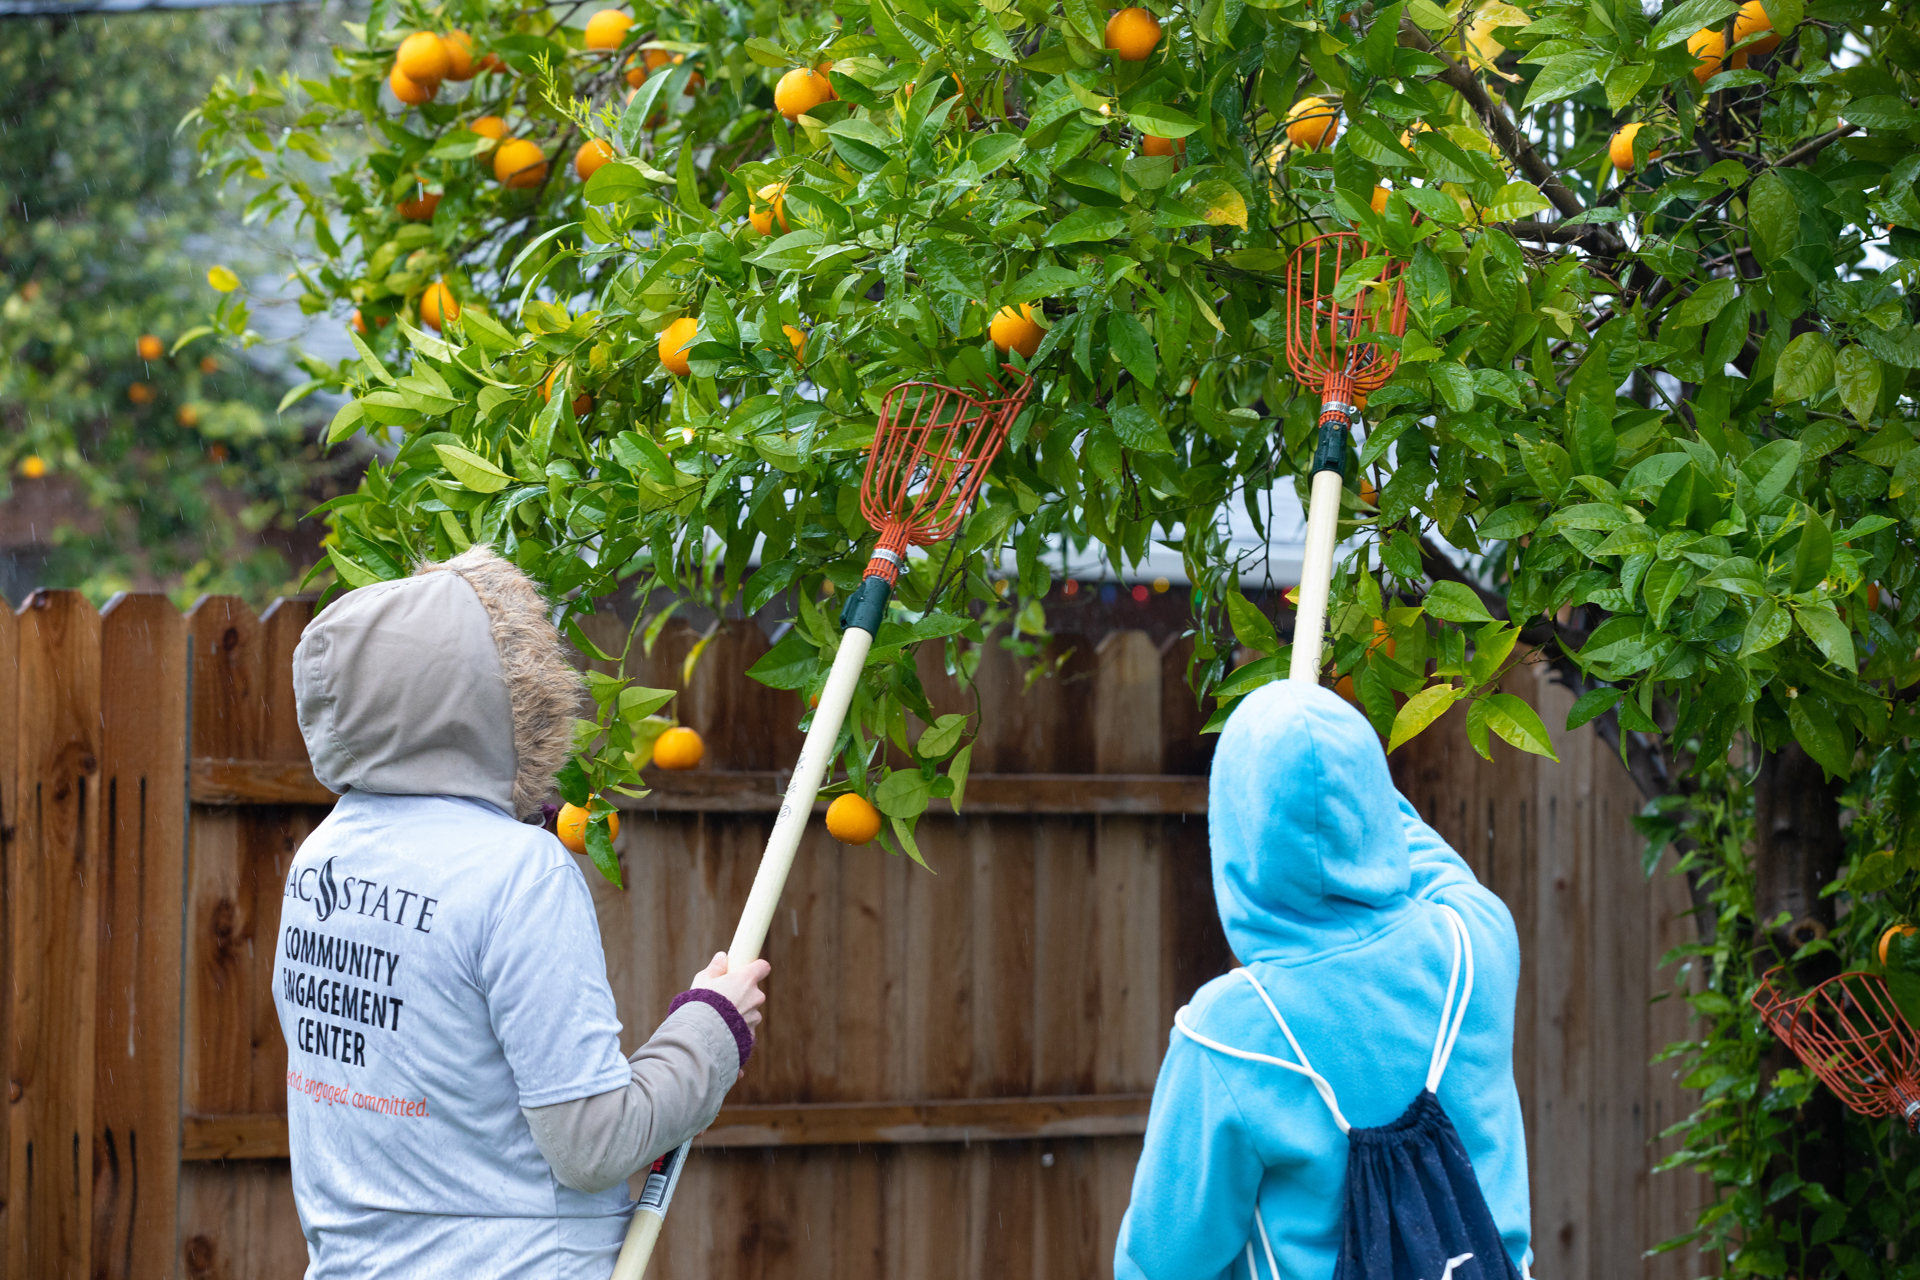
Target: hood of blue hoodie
1309,850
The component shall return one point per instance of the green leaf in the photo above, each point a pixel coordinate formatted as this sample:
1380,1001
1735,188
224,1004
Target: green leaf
957,770
346,422
947,266
1805,369
1454,383
1086,224
1129,340
1702,305
472,470
1044,282
1625,83
903,832
1773,214
1456,602
1218,202
1814,555
1677,24
941,737
1881,112
1817,728
1829,635
790,664
1162,121
1518,724
904,794
1137,429
1857,375
600,849
1421,710
1516,200
1591,705
1251,627
990,151
1767,627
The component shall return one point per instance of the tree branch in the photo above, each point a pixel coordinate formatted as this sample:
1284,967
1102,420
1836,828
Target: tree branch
1505,134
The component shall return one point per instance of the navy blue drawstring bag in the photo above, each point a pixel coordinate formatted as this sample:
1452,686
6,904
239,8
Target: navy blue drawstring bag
1415,1210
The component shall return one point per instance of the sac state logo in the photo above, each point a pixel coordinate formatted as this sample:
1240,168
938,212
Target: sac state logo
327,897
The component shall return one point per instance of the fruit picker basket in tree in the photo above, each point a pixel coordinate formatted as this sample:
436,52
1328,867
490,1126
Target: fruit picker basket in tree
1850,1033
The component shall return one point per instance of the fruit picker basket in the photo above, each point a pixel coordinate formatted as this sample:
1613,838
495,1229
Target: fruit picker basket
1850,1033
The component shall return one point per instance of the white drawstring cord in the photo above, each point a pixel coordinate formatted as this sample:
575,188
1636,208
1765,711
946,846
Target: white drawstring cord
1273,1268
1450,1035
1319,1081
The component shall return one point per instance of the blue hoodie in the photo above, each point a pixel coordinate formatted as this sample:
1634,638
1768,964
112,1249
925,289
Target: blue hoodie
1328,884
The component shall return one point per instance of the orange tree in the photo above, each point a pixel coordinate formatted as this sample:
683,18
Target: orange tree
631,287
172,450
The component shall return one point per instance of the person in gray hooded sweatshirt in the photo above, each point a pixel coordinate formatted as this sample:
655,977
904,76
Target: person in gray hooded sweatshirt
458,1104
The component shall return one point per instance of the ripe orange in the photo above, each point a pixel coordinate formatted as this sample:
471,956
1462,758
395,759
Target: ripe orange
852,819
519,163
150,347
1709,46
571,827
489,63
410,91
1382,637
674,341
1620,149
217,451
1016,330
1379,201
1154,146
420,208
679,748
210,366
591,155
1751,20
33,466
773,195
800,91
798,338
1886,939
582,403
1313,124
647,61
490,127
459,47
1132,33
438,305
1873,595
188,416
606,29
423,59
359,327
140,393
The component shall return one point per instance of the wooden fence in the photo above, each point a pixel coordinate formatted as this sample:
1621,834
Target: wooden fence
956,1065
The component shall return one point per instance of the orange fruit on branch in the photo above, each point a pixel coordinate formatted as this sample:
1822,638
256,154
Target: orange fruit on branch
582,403
571,827
33,466
1886,939
438,305
591,155
490,127
607,28
798,338
1620,148
421,207
1150,145
518,163
1132,34
1750,21
1379,200
459,47
1016,330
774,197
150,347
408,90
800,91
1709,47
423,59
1313,124
679,748
140,393
674,341
852,819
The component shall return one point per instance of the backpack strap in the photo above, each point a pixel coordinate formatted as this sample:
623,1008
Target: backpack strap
1302,1067
1451,1016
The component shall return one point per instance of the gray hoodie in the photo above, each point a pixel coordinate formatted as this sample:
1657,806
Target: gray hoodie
455,683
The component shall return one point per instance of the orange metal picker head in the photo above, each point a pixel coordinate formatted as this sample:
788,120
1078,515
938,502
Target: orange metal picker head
930,454
1323,333
1850,1033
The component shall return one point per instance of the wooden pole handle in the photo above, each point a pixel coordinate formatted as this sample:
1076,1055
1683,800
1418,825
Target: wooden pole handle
1316,575
796,810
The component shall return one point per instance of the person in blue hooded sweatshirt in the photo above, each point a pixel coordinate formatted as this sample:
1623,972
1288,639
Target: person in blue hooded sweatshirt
1341,904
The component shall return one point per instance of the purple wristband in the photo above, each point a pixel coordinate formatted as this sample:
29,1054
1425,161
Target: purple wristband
742,1033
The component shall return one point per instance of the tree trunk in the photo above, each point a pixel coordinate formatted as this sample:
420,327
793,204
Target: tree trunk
1798,850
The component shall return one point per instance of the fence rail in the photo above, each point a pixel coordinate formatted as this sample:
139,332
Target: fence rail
956,1066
